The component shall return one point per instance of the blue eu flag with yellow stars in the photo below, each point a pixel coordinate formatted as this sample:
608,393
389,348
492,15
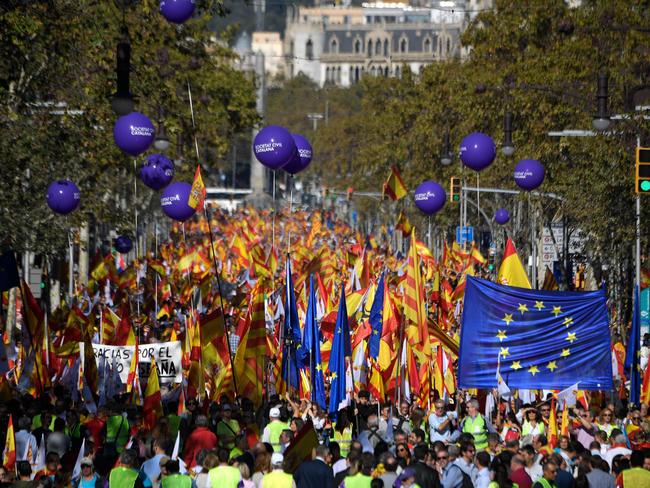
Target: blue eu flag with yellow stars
538,339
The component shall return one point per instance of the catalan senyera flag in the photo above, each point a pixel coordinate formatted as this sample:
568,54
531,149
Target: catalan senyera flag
403,224
152,409
198,192
416,326
249,358
9,453
394,186
109,322
511,271
550,283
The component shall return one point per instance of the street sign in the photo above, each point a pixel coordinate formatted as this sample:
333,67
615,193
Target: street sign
466,235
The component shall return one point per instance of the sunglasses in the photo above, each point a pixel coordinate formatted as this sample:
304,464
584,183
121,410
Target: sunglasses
607,415
401,450
443,457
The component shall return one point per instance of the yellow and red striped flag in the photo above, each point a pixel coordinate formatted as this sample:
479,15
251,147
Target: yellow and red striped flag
403,224
394,186
249,359
511,271
9,453
416,320
198,192
152,408
110,321
645,386
564,423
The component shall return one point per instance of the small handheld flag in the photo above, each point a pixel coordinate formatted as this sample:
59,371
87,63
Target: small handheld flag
198,192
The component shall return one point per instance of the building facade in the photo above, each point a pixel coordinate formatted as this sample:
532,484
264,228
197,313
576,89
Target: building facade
339,45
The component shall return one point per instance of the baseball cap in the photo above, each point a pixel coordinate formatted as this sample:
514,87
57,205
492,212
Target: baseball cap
226,406
277,459
274,413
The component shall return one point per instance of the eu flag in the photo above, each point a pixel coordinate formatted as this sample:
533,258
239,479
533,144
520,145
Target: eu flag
312,346
292,350
540,339
339,397
376,320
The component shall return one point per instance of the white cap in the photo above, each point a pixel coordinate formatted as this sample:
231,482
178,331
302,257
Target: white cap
274,413
277,459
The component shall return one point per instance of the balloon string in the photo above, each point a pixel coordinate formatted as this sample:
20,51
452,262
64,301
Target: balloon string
478,199
196,143
290,212
273,221
135,206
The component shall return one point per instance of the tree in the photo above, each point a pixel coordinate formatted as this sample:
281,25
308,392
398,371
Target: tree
58,61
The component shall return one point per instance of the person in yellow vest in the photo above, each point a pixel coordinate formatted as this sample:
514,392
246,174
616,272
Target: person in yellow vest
223,475
343,433
117,432
532,423
548,478
277,478
174,479
359,473
274,428
474,423
124,475
636,475
227,428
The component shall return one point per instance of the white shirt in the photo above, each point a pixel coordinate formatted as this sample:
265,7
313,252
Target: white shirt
482,478
435,422
535,471
23,439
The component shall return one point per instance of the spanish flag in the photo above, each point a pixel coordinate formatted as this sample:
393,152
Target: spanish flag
403,224
9,453
512,272
394,186
198,192
152,408
564,424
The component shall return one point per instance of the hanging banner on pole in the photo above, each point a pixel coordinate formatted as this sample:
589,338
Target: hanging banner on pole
167,355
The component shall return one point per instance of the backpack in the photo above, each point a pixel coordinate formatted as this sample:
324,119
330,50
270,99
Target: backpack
467,480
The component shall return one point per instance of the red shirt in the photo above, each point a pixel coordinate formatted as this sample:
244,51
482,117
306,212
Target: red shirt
201,438
95,426
522,478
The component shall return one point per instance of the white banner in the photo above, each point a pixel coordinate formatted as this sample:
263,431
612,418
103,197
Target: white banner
167,355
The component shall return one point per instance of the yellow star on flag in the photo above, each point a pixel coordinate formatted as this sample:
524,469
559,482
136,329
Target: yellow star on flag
501,335
568,321
522,308
507,319
334,375
516,365
552,366
318,367
533,370
565,352
504,352
557,311
539,305
571,336
375,332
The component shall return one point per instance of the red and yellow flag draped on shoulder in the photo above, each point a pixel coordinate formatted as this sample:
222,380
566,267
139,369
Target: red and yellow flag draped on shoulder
217,368
152,408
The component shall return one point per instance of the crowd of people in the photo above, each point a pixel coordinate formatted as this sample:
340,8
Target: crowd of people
229,445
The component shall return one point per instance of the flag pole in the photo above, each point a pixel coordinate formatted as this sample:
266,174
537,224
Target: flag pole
214,258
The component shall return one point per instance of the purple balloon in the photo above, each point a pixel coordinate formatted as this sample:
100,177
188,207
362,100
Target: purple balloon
63,196
477,151
133,133
157,172
174,201
529,174
274,146
302,157
430,197
501,216
123,244
177,11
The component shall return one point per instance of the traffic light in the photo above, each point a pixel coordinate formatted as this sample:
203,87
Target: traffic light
454,189
642,177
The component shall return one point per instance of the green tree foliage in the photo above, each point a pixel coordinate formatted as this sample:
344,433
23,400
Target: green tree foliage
57,62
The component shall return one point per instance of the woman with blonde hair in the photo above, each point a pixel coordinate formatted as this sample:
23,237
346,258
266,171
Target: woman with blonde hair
210,461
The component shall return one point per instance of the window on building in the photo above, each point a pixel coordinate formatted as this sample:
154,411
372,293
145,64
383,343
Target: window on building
403,45
448,45
356,74
378,47
291,48
327,75
338,75
357,46
309,50
426,45
386,47
334,46
398,73
386,71
440,46
372,71
369,52
346,19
